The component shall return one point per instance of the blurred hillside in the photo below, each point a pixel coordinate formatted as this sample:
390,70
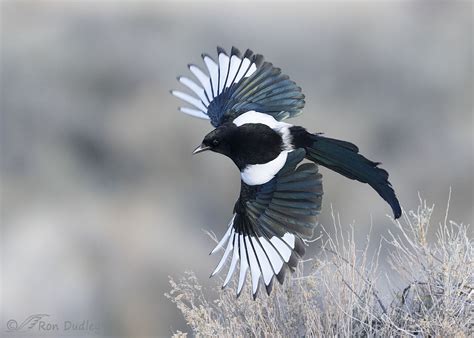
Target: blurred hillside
101,198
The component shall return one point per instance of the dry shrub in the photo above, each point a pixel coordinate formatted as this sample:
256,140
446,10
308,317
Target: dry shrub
335,292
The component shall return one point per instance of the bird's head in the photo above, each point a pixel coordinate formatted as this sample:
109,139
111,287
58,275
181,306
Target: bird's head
218,140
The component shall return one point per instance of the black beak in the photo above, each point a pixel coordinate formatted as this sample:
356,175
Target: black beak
201,148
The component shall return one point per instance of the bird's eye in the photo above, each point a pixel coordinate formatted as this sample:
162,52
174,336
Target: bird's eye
215,142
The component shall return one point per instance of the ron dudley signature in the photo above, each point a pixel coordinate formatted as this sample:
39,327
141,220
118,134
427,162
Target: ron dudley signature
42,322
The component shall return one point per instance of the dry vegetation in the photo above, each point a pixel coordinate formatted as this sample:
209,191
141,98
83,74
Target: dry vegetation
336,292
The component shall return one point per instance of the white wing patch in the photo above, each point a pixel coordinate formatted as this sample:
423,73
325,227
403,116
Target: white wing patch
243,264
282,248
265,267
264,257
220,75
199,91
194,112
226,236
189,99
289,239
203,79
233,263
223,70
213,69
226,254
273,256
254,267
233,69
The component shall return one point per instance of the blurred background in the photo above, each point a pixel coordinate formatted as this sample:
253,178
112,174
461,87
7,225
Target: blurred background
101,199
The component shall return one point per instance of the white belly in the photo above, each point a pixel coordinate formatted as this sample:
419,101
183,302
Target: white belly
256,174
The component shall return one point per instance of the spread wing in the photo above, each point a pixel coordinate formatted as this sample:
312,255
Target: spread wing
264,234
236,84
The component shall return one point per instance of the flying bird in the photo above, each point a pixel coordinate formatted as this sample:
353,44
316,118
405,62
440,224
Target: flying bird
246,100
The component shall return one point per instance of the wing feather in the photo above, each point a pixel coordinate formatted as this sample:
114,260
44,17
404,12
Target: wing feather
199,91
243,264
237,84
226,254
189,99
223,68
203,79
267,230
233,263
194,112
213,69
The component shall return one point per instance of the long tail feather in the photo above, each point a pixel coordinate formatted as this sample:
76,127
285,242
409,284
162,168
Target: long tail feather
344,158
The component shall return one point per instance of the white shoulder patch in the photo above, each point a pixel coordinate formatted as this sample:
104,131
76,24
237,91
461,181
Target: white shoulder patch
255,117
256,174
282,128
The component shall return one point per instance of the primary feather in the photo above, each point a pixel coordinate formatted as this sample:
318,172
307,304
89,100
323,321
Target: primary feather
236,84
270,220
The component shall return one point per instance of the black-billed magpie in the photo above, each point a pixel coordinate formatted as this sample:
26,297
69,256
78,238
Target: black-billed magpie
246,100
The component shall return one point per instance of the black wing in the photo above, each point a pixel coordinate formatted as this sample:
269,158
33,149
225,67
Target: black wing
236,84
269,221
